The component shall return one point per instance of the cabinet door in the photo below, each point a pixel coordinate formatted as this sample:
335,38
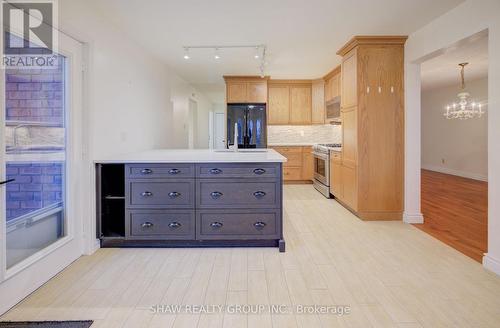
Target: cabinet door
328,89
336,187
278,111
257,92
300,104
350,187
349,80
318,102
307,164
349,136
335,86
236,92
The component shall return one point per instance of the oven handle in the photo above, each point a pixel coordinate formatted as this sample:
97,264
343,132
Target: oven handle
319,155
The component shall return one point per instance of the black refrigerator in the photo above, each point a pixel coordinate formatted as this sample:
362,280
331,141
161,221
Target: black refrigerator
251,120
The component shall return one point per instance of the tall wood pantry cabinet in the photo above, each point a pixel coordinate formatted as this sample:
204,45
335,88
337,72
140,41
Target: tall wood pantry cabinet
372,112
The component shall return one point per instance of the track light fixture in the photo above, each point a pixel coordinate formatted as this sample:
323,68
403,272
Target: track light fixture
259,53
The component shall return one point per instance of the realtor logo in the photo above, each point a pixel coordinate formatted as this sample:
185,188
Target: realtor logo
29,34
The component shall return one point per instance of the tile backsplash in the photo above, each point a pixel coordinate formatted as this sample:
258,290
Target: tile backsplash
277,134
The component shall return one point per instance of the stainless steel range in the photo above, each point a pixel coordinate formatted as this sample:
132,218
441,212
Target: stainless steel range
321,153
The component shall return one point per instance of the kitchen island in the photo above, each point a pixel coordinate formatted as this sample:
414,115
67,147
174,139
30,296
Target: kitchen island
191,198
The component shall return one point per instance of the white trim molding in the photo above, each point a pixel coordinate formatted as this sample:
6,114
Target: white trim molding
413,218
459,173
492,264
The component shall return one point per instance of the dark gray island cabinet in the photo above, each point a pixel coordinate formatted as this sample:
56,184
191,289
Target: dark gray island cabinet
216,204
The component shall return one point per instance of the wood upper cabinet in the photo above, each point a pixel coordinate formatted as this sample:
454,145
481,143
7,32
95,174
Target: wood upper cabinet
318,102
257,92
236,92
289,102
278,105
349,78
245,89
332,84
300,104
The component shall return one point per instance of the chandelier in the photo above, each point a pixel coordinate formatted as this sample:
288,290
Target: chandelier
465,107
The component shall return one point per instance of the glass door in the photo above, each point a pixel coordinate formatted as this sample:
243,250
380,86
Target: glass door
40,168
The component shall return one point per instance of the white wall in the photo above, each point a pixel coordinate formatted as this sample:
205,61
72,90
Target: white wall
135,99
463,144
470,17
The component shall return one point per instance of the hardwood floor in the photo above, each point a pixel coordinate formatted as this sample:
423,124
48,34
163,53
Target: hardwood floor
389,273
455,211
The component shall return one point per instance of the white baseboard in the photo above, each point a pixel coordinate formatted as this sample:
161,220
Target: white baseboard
459,173
415,218
491,263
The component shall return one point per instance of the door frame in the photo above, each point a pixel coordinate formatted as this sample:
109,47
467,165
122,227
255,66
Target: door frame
25,277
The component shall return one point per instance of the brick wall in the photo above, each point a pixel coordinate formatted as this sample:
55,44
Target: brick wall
35,95
37,185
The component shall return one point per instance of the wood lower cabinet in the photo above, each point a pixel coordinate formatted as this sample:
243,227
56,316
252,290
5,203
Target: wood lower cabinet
372,109
336,186
300,163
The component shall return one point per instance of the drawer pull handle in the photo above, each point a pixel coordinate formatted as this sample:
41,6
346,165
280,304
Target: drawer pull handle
216,225
259,225
174,225
259,194
147,225
216,194
146,171
174,171
174,194
147,194
259,171
215,171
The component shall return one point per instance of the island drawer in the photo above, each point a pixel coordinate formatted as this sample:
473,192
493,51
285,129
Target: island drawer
164,171
151,224
160,193
236,170
237,193
237,224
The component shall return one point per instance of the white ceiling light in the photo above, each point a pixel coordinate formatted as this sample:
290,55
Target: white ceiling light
465,108
186,53
257,53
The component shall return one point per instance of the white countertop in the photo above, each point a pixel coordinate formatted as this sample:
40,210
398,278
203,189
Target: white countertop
197,156
290,144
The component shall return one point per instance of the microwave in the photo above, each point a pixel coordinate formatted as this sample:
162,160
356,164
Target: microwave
333,110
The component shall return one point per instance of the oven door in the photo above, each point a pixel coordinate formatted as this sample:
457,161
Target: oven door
321,168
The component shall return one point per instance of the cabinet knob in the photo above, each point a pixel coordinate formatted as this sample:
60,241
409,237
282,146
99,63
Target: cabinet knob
174,225
174,171
259,194
216,225
174,194
147,225
259,225
146,194
215,171
259,171
216,194
146,171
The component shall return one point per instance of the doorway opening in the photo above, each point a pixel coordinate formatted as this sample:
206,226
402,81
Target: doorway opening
454,160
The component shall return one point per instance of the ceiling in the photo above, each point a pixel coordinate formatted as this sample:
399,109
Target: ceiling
443,70
302,37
